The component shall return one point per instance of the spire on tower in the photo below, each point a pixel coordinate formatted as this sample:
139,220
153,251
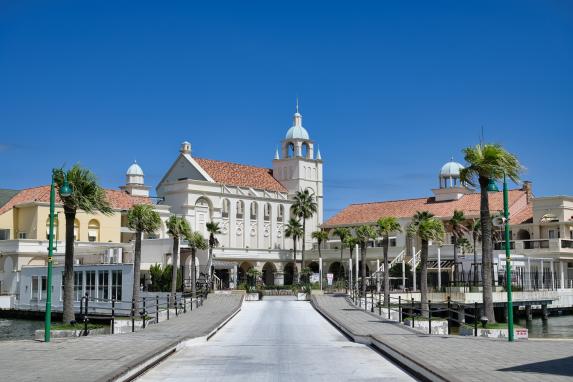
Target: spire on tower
318,156
297,104
277,153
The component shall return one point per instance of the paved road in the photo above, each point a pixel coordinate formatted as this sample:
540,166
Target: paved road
277,339
103,358
458,358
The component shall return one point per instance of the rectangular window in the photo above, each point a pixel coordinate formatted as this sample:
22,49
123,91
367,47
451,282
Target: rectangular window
22,235
78,285
116,282
392,242
44,292
4,234
92,235
552,234
103,285
91,283
35,282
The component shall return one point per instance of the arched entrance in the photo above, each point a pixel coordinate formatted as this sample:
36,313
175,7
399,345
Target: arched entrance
289,274
242,272
269,270
337,269
523,234
314,267
360,269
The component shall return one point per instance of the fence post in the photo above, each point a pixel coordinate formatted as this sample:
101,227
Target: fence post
113,316
184,305
143,312
412,312
132,315
157,309
372,302
429,317
86,317
449,314
475,319
175,300
379,304
168,304
399,308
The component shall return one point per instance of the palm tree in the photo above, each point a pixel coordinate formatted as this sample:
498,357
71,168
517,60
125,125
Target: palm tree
488,162
364,233
351,242
342,233
86,196
213,229
141,218
456,226
196,241
294,229
304,207
177,227
475,231
387,226
428,228
320,236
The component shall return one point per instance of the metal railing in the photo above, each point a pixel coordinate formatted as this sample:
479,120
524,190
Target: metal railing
143,310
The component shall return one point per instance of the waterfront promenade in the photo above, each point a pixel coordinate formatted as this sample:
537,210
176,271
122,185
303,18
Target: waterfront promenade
277,339
452,358
106,358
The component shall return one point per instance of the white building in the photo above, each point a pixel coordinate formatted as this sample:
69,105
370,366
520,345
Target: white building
251,205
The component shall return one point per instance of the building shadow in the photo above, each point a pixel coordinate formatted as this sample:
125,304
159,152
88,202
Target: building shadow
561,366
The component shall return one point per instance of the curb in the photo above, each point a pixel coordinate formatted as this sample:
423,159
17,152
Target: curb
137,370
408,362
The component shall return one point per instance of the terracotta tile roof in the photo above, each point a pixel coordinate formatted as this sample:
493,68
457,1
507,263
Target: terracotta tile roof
118,199
241,175
523,216
356,214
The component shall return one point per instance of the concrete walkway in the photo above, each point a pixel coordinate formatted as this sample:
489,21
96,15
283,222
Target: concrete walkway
453,358
106,358
277,339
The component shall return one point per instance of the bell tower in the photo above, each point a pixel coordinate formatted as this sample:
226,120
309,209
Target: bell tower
298,168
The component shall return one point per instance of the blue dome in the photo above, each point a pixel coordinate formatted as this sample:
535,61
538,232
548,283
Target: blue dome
297,131
451,169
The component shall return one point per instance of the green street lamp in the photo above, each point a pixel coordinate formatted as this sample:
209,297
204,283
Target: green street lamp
65,190
492,187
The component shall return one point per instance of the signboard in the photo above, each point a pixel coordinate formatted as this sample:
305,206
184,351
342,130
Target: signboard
314,277
329,278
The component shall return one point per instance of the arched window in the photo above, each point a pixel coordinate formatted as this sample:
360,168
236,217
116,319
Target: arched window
56,224
267,211
93,230
76,230
226,208
254,211
290,150
240,209
281,213
305,150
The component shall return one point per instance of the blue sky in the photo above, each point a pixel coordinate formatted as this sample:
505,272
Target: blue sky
389,91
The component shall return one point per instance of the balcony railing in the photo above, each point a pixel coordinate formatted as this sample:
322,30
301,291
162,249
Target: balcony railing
500,245
535,244
566,243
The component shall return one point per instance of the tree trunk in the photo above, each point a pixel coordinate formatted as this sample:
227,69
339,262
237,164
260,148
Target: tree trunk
475,263
69,314
175,259
363,270
341,269
209,262
294,271
456,279
320,265
486,252
137,268
386,271
350,249
424,278
193,274
303,240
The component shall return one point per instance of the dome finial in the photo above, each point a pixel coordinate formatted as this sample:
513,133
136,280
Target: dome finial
297,104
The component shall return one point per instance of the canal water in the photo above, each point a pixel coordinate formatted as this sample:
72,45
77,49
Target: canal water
554,327
17,329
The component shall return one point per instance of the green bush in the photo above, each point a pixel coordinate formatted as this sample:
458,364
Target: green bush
161,278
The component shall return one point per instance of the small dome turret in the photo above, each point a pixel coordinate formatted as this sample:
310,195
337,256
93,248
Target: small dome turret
450,174
134,169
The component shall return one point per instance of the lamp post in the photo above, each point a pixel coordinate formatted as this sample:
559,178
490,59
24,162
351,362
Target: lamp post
65,190
493,187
